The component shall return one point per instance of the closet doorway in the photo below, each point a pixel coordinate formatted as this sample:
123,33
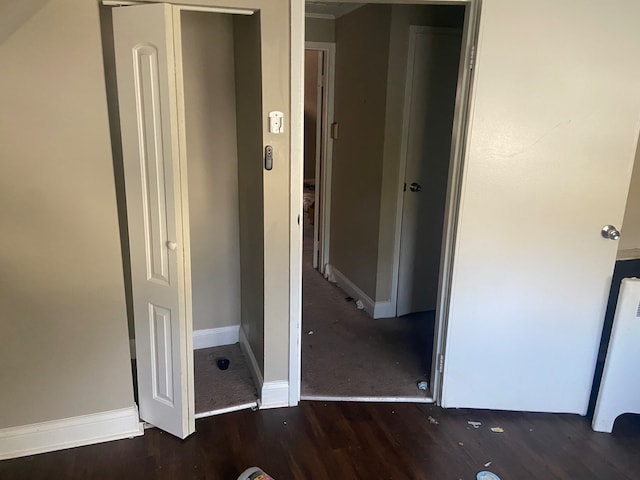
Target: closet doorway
189,89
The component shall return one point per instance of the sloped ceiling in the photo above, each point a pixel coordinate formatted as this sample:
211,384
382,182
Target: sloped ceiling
14,13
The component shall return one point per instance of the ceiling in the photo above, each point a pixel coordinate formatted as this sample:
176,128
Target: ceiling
329,9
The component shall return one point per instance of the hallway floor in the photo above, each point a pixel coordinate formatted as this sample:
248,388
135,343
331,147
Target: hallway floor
345,353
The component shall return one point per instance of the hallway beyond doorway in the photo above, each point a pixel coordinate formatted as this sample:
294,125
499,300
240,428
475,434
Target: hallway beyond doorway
345,353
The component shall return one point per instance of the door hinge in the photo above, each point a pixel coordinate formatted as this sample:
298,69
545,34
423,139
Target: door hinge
472,57
441,363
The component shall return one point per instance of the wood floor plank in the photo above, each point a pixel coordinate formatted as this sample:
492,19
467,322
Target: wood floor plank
340,440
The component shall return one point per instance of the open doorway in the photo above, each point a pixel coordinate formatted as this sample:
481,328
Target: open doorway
398,86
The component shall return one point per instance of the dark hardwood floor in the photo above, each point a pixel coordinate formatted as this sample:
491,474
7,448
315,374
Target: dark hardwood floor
321,440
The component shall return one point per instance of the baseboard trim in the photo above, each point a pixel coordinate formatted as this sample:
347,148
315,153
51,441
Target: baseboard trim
275,394
353,290
69,432
216,337
384,309
272,394
254,368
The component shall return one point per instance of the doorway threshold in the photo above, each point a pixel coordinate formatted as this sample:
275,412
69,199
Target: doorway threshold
329,398
234,408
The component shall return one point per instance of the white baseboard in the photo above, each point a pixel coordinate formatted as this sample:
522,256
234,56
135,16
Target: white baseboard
69,432
353,290
254,368
275,394
384,309
216,337
272,394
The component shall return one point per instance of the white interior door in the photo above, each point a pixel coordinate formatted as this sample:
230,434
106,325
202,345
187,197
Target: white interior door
148,95
553,128
432,77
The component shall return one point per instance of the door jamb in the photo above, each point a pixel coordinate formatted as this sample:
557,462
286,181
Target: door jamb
459,144
461,124
322,220
296,178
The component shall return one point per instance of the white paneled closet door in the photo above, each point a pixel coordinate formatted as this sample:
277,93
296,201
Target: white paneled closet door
149,77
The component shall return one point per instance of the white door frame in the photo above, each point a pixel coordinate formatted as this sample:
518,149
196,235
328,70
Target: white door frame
454,189
324,155
296,178
458,150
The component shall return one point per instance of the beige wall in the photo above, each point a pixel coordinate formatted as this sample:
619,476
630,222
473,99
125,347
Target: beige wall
369,105
249,98
362,39
212,163
320,30
402,17
64,349
630,238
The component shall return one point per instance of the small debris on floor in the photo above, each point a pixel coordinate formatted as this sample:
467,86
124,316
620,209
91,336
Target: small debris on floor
497,429
284,423
223,363
393,411
423,385
432,420
461,444
475,424
359,305
487,464
348,299
310,332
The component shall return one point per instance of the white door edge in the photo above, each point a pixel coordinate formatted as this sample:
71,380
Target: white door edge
454,189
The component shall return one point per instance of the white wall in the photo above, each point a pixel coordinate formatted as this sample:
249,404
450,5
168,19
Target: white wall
212,164
551,141
64,347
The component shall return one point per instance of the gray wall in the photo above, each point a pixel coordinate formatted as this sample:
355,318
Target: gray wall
320,30
630,238
310,111
402,17
212,163
249,127
64,346
362,39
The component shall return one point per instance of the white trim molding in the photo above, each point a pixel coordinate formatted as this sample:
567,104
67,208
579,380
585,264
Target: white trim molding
70,432
382,309
330,398
353,290
254,368
272,394
216,337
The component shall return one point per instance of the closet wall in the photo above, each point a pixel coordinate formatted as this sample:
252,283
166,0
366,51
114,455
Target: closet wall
212,163
248,73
